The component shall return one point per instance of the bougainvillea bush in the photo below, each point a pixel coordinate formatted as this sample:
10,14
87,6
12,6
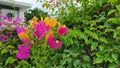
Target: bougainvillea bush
38,34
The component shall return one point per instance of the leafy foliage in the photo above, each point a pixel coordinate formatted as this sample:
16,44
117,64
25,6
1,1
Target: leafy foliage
30,13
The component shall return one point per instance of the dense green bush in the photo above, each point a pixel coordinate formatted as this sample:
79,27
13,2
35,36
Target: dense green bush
94,40
30,13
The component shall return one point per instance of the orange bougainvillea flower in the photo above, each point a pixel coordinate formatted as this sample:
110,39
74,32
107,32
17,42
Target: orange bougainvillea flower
23,35
53,22
47,35
50,21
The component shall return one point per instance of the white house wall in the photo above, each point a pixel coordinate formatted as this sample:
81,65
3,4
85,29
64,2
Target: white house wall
21,12
6,11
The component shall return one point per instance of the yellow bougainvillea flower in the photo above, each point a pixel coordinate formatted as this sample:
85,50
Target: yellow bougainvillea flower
46,5
47,34
23,35
50,21
47,21
35,19
32,23
53,22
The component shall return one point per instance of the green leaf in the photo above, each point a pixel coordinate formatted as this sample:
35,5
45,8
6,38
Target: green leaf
100,26
0,43
109,30
4,51
10,46
86,58
118,7
115,34
13,60
112,65
92,34
110,59
84,36
112,2
115,56
8,60
111,11
76,62
98,60
99,2
103,39
101,47
94,45
113,20
118,28
74,54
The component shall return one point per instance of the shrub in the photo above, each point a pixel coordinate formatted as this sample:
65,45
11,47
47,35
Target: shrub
94,40
30,13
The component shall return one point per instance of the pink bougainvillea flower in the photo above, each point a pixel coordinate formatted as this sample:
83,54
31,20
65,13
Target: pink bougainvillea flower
15,21
57,3
24,51
40,29
62,29
3,17
10,20
3,37
52,42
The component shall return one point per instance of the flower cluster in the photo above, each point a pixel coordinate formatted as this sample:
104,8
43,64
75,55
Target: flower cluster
6,22
40,28
24,49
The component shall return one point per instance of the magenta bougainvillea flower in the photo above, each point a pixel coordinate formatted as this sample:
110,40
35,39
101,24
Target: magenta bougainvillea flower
24,51
20,29
62,29
40,29
53,42
1,23
25,41
3,37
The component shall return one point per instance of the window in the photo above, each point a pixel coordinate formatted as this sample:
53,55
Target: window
10,15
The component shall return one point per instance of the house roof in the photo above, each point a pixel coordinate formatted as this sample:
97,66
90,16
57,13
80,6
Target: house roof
15,3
